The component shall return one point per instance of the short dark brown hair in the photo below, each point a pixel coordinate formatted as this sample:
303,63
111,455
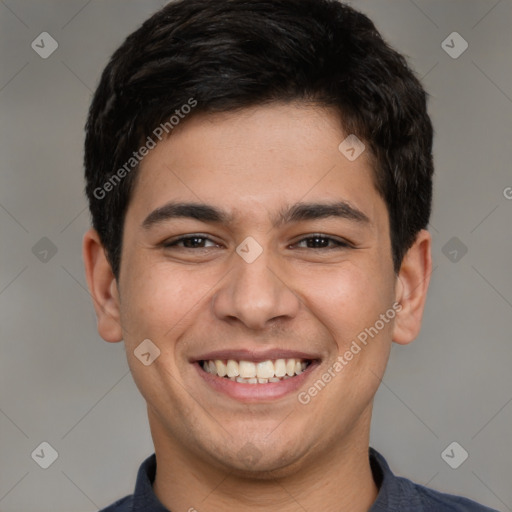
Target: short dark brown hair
226,55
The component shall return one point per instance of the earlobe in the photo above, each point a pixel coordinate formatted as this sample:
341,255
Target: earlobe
102,287
411,289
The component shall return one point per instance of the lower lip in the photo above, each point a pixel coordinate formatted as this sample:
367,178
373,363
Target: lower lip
255,392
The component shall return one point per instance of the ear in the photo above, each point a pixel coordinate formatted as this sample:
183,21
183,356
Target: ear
411,289
102,286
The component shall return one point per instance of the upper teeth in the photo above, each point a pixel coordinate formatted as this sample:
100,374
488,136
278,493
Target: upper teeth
261,370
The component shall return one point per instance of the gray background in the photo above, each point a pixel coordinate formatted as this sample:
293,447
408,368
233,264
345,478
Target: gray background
61,383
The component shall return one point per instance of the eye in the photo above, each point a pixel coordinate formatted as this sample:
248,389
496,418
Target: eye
319,241
190,242
199,241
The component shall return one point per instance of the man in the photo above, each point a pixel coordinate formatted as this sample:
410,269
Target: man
260,177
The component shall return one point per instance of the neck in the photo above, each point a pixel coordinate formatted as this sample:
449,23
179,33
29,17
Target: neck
337,479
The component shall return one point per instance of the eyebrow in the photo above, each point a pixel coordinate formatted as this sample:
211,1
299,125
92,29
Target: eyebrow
296,213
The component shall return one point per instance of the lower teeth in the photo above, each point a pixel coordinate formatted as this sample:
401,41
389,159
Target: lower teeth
255,380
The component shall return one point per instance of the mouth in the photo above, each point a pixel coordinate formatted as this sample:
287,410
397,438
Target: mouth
258,379
249,372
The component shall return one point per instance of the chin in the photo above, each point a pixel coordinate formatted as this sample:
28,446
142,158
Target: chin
263,462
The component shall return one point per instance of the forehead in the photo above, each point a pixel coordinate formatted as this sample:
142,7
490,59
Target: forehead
257,159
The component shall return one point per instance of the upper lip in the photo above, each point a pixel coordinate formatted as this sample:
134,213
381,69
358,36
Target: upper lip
254,355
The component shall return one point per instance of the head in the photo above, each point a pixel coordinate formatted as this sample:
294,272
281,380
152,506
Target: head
234,112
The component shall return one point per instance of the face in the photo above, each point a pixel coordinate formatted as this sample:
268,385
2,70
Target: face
251,237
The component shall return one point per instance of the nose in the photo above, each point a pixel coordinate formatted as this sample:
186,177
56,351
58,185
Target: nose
255,294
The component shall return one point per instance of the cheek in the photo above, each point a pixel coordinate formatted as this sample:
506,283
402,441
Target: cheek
158,301
348,301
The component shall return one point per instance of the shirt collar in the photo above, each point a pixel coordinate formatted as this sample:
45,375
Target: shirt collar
144,498
391,488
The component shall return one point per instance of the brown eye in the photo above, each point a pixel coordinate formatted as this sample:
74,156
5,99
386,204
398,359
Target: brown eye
190,242
322,242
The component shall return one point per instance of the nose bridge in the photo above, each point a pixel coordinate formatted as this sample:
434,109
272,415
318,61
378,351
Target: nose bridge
252,292
254,277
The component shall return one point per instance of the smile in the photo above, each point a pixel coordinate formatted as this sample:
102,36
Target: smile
255,378
262,372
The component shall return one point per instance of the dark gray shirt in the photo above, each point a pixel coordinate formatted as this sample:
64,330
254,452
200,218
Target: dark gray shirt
396,494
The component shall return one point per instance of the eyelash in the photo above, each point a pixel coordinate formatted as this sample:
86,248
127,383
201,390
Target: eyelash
339,243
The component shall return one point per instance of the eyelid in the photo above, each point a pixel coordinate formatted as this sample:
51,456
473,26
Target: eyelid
171,242
339,242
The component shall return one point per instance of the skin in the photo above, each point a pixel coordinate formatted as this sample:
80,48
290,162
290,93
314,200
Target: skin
192,300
